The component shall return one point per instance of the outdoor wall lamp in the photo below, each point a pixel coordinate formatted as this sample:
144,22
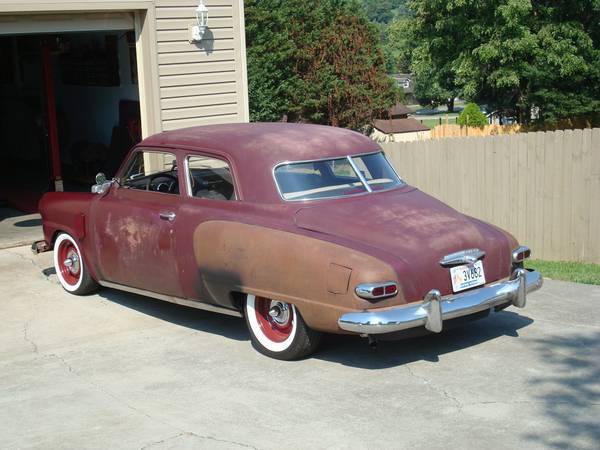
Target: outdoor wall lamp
197,31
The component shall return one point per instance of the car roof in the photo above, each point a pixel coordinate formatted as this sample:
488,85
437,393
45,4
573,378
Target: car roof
274,142
256,148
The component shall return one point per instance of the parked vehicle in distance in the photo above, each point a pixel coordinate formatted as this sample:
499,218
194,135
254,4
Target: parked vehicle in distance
301,229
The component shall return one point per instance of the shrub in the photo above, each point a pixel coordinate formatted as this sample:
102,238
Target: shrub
472,116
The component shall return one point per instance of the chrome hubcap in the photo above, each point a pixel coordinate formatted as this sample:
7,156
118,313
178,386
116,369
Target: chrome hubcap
72,262
280,312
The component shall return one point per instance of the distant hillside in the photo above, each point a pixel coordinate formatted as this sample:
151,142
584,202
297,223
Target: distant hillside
384,11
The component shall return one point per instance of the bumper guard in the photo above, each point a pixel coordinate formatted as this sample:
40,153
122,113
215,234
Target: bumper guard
434,309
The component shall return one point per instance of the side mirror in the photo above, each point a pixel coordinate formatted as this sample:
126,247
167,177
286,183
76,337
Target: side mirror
102,186
100,178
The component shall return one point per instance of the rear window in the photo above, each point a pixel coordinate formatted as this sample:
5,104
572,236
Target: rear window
337,177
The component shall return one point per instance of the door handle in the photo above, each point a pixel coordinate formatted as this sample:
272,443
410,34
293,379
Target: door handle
170,216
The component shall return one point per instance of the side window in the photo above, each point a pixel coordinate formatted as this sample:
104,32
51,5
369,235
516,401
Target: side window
210,178
152,171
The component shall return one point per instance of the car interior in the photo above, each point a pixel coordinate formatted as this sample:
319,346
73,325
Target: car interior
209,181
212,183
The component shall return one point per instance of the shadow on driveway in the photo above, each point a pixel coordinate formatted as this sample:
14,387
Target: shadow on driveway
353,351
570,390
347,350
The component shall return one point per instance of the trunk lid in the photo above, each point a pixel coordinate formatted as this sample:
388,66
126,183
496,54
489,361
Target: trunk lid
415,231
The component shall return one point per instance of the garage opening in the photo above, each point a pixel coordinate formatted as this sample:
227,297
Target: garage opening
69,107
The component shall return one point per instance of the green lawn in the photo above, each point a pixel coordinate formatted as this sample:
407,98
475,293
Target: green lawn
431,123
567,271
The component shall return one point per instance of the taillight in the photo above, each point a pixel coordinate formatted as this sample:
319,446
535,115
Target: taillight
521,254
375,291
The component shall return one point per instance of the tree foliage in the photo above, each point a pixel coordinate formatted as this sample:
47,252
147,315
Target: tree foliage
471,116
317,62
513,55
383,11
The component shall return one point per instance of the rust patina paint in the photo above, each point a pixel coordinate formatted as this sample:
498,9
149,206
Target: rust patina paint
284,266
310,253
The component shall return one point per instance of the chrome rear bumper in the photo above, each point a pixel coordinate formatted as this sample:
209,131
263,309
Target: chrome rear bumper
434,309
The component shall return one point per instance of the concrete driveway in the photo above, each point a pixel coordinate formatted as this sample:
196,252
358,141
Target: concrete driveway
19,228
116,370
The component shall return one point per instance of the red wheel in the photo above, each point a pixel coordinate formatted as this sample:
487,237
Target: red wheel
276,319
69,262
69,266
277,329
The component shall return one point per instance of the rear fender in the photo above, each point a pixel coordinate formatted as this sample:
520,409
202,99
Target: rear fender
315,275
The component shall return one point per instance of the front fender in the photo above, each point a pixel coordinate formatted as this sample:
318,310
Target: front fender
68,212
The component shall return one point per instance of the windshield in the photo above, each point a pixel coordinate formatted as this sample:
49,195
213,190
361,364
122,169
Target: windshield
335,177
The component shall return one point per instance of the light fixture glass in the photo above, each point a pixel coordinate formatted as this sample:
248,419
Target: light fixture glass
202,16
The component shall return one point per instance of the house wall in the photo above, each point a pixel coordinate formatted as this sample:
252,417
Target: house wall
205,82
181,83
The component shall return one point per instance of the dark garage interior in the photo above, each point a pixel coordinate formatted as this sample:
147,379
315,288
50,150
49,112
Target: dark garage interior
69,108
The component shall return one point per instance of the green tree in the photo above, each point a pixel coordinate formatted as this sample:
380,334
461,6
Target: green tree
383,11
399,44
516,56
318,62
471,116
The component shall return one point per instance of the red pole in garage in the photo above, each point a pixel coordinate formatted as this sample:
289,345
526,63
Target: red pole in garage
51,114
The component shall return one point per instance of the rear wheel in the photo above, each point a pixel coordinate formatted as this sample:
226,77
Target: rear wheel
278,330
69,266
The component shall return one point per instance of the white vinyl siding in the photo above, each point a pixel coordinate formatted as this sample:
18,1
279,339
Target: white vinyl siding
181,84
201,83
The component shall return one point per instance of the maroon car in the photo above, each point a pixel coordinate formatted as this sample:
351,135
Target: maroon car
301,229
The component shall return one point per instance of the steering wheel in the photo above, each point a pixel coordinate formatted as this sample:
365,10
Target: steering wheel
172,185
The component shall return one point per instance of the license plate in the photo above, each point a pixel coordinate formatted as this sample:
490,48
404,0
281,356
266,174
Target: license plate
467,276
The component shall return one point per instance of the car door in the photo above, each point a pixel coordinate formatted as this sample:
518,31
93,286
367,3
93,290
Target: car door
134,224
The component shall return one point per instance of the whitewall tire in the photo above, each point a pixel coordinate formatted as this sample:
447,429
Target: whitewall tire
278,330
70,268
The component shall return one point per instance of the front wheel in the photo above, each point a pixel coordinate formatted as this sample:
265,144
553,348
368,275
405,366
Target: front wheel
68,263
278,330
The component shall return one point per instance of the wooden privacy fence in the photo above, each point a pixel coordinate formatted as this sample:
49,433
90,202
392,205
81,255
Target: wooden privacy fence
543,187
453,130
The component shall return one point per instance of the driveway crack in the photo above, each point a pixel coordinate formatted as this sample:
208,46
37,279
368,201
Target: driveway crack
32,262
119,400
435,388
26,337
198,436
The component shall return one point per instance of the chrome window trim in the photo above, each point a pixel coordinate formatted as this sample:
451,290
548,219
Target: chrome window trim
359,174
188,183
283,163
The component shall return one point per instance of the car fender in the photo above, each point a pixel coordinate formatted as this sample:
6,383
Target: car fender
315,275
69,212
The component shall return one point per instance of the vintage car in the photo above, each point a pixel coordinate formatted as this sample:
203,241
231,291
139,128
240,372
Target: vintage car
301,229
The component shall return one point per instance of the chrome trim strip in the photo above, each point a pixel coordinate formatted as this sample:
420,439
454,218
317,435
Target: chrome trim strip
435,309
188,182
468,256
359,174
171,299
